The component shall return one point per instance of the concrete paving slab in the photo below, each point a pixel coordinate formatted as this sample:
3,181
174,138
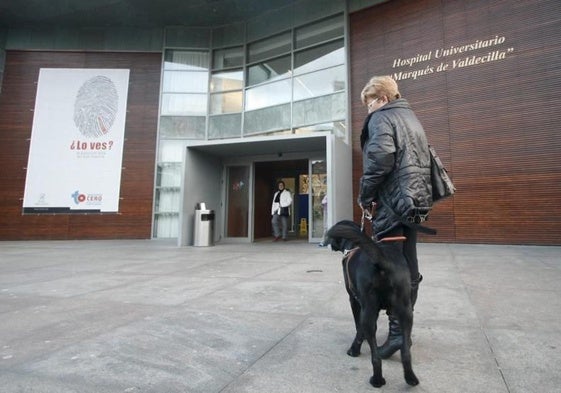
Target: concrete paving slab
147,316
175,289
527,358
190,351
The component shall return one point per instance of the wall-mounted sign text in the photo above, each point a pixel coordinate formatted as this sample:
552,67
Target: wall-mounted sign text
451,58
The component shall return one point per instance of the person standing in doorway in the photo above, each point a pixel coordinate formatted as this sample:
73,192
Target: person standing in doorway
395,183
280,210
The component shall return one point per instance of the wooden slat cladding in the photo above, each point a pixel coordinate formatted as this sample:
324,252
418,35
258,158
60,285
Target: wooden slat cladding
16,117
496,125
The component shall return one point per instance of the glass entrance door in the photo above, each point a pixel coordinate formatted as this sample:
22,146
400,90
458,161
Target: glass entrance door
318,199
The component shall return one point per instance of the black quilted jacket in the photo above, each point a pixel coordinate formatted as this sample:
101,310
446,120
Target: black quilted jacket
396,165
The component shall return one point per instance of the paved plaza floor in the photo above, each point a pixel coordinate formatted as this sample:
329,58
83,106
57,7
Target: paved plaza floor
137,316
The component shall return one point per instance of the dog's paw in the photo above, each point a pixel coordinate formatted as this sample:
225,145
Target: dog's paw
353,351
377,382
411,379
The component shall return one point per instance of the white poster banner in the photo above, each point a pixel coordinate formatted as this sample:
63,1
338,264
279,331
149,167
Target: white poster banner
76,149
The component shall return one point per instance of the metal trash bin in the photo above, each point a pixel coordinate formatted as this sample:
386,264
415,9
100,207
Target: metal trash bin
204,226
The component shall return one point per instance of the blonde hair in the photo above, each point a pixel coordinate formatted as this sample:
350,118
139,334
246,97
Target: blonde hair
380,86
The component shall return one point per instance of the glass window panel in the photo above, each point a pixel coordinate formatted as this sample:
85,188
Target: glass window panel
267,120
229,80
167,200
166,225
188,127
269,47
186,60
225,126
163,203
281,132
337,127
319,83
322,31
181,81
184,36
171,150
268,95
272,21
228,35
319,57
313,128
226,102
225,58
268,70
184,104
169,175
319,110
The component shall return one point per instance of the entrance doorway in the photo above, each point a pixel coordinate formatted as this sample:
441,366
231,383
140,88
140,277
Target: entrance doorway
267,174
237,179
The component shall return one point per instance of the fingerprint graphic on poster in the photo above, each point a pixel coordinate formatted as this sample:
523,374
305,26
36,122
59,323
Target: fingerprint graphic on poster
96,106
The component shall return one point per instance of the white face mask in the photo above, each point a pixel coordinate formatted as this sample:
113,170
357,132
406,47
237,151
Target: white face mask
376,103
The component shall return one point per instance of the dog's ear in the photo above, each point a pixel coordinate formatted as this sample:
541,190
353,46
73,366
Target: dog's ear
336,235
329,241
339,243
334,243
348,244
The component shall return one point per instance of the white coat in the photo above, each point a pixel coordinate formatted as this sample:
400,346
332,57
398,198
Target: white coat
285,201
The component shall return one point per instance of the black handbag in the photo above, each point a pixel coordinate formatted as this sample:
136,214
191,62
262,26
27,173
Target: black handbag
442,186
284,211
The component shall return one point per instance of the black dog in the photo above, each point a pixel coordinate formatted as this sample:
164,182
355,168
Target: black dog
374,282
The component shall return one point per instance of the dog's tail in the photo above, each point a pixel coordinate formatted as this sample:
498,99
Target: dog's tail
351,232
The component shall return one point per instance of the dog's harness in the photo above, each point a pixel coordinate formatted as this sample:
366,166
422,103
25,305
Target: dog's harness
347,255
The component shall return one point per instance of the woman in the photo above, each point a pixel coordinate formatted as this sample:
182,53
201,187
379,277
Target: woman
280,211
396,180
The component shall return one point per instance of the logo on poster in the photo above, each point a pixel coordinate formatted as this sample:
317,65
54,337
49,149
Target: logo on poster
42,200
88,199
